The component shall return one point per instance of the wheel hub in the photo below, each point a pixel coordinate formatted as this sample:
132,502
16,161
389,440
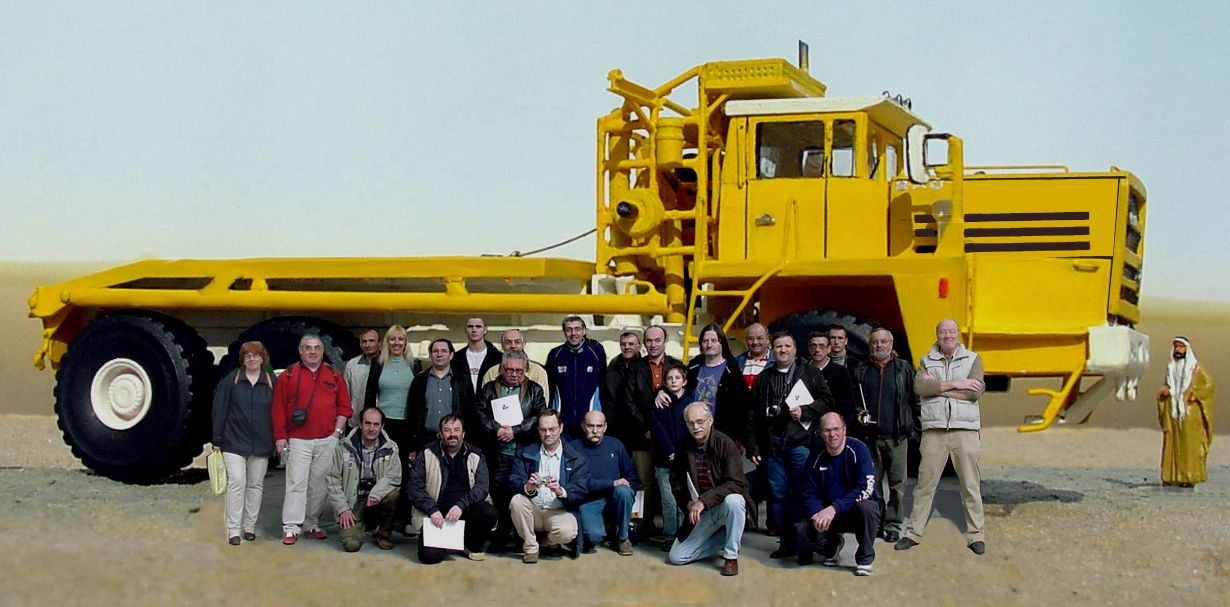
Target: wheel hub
120,393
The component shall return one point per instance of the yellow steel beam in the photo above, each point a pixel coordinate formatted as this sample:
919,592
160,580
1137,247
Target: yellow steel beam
454,301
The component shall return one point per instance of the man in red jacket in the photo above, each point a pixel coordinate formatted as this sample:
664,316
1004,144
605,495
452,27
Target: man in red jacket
310,409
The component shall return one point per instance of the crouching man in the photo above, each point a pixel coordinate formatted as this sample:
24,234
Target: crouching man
449,482
550,478
707,475
364,482
839,496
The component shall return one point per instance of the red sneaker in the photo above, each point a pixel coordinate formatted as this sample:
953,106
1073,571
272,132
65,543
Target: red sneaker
290,538
316,534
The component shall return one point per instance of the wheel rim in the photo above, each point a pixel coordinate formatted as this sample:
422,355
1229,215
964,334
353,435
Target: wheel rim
121,393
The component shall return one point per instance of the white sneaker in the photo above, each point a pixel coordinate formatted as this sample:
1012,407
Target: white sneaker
829,562
862,570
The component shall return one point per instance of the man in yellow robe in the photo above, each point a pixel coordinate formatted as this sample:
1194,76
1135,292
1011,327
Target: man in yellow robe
1185,412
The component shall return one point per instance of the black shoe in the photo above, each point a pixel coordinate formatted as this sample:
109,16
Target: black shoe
573,550
782,553
978,548
904,543
805,558
249,536
589,548
891,536
234,541
498,547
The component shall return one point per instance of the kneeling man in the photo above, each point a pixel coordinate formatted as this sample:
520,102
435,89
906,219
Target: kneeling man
839,496
364,480
550,479
449,482
707,475
612,485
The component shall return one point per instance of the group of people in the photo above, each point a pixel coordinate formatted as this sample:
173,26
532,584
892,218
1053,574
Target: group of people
584,451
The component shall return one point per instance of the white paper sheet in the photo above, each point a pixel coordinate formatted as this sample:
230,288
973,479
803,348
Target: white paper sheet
799,396
507,410
451,536
638,504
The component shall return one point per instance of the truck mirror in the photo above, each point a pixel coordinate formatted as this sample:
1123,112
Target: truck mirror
915,154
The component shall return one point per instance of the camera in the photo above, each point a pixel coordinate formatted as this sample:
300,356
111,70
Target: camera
864,418
298,417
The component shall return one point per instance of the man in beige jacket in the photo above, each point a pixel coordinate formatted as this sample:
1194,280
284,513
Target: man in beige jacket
949,383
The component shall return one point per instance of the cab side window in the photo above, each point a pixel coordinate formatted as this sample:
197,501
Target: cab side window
790,150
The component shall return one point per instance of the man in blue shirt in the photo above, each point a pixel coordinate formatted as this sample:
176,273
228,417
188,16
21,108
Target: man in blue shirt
839,496
576,370
612,486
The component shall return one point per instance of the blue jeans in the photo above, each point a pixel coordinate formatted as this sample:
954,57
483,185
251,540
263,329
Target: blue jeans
671,516
593,515
707,537
784,469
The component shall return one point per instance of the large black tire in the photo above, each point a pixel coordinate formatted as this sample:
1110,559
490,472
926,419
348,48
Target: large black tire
280,337
803,323
133,394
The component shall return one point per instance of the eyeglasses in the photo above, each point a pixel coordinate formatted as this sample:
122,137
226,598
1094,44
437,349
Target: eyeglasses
697,424
514,371
252,355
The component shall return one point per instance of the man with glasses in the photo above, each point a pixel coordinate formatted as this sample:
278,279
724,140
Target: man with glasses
499,442
575,370
839,496
707,475
550,479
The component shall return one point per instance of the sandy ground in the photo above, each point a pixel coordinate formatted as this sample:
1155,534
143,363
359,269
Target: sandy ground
1074,516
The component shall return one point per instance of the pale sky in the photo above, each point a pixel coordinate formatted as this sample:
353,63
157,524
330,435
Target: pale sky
237,129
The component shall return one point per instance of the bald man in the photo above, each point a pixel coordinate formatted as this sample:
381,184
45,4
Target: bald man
949,385
612,486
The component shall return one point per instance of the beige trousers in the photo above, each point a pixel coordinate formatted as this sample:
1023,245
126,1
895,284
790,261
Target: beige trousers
529,519
936,448
245,483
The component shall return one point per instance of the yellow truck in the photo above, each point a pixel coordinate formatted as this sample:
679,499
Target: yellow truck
760,198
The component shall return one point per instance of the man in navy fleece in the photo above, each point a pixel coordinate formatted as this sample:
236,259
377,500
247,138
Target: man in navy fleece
576,370
612,486
839,496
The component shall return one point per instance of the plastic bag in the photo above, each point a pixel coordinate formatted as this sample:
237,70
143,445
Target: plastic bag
217,471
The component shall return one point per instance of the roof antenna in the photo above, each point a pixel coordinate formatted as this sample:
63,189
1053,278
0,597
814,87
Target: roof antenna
803,56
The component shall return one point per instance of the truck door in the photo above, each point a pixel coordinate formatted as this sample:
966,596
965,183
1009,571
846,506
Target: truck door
785,190
856,194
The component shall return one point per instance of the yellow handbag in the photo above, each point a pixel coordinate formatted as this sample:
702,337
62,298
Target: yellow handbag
217,471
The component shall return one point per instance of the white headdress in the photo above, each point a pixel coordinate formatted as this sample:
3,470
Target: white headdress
1179,373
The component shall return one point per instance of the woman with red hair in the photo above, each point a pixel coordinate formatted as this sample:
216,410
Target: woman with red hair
243,431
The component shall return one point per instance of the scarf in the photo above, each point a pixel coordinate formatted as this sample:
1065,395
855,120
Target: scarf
1179,378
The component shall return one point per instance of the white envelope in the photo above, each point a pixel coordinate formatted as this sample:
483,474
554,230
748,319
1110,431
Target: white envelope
638,504
450,536
799,396
507,410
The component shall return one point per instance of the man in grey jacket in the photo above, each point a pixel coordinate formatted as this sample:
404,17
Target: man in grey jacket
365,482
949,384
